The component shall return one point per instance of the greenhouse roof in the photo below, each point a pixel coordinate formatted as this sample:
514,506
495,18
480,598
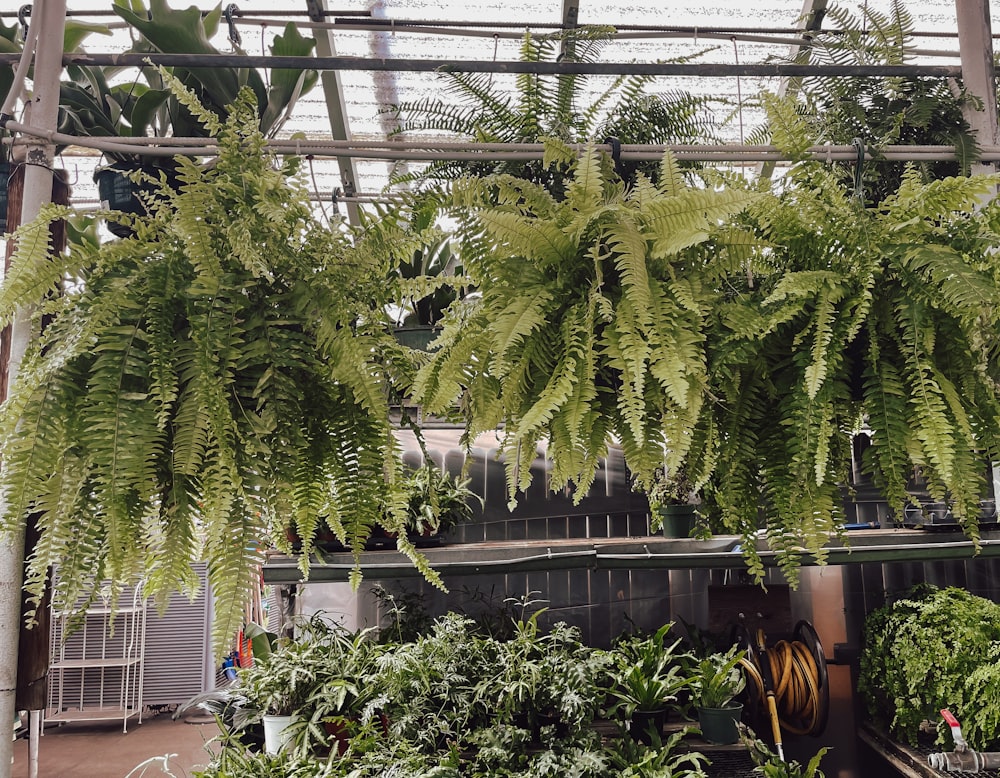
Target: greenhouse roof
386,52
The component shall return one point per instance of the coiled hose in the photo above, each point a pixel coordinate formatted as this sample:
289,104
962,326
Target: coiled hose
788,680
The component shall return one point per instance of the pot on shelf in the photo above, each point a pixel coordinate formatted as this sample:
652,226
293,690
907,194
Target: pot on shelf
277,732
644,724
718,725
678,520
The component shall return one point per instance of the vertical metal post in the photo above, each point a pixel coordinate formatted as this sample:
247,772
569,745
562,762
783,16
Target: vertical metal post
810,20
975,42
50,16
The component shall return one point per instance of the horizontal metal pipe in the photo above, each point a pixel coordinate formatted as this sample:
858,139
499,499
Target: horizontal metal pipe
393,565
775,69
421,150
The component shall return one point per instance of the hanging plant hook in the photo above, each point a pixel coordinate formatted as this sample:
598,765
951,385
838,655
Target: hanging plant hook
232,11
859,169
23,14
616,153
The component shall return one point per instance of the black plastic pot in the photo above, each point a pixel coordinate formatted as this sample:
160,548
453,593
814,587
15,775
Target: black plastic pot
647,725
678,520
718,725
119,192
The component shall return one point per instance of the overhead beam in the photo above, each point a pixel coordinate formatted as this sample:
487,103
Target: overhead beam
336,106
704,69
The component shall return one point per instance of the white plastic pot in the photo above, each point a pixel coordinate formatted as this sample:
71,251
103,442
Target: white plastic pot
277,732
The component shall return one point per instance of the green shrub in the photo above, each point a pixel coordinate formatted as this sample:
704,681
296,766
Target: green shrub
932,649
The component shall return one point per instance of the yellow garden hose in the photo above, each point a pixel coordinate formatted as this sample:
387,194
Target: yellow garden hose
789,680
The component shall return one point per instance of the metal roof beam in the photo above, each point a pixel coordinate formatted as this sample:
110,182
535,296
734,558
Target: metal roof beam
336,107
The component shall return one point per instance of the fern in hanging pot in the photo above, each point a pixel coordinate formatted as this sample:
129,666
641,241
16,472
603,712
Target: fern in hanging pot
201,385
588,323
887,317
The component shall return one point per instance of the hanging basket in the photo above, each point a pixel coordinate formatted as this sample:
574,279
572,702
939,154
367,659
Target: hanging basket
118,192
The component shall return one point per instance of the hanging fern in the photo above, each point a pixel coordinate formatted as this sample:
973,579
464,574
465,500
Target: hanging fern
202,385
884,110
888,317
567,106
589,326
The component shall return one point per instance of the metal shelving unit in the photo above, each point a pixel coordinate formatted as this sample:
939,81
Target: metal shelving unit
97,667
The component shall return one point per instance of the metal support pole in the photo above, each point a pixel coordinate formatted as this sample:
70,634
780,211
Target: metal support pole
975,41
34,731
50,16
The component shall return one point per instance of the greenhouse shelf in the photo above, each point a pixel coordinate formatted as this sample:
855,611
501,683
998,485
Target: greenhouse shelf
648,552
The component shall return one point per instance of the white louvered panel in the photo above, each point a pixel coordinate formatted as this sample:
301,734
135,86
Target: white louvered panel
178,648
177,662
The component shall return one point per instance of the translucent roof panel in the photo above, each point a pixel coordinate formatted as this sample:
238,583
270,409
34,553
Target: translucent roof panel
448,32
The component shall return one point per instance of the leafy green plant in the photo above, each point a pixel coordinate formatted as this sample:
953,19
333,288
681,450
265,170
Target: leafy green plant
636,690
202,385
660,759
589,321
770,765
672,488
437,500
931,649
281,682
718,679
848,316
883,110
555,106
161,28
650,674
431,276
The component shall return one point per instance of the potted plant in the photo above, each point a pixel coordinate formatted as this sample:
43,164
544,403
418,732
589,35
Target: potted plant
847,314
429,274
650,677
668,756
233,432
589,317
277,687
931,648
92,107
719,679
437,501
674,499
558,106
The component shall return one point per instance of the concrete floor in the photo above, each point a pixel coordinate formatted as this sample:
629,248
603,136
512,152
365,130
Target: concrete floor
104,751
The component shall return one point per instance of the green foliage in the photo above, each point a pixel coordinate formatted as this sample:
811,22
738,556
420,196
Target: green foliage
437,500
883,110
770,765
456,701
201,385
850,316
931,649
660,759
719,678
161,28
536,106
590,318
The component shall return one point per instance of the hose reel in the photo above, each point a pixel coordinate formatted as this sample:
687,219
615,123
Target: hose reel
788,681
